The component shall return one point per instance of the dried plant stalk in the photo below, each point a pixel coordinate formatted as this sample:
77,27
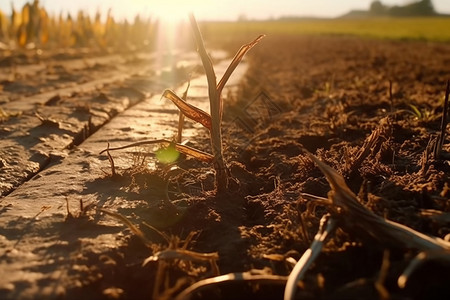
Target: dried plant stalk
382,275
327,227
391,98
252,276
425,160
181,116
214,102
165,256
183,254
357,218
422,257
372,141
111,161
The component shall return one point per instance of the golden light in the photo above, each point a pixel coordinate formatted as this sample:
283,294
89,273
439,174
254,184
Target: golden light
173,25
171,17
173,35
171,12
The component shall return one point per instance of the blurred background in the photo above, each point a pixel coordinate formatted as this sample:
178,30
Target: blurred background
225,10
124,25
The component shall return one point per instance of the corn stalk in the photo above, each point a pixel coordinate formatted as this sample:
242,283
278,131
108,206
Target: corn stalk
212,121
215,110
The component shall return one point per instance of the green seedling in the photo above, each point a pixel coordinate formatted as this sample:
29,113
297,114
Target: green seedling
328,89
421,115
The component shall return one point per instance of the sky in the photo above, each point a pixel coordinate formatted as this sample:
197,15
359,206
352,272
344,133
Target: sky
215,9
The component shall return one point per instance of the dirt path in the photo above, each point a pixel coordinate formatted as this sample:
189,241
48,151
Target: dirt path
46,255
51,121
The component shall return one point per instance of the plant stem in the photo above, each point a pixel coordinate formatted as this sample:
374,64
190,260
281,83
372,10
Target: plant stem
444,122
214,102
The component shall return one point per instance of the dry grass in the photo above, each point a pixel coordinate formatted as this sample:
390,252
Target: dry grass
347,212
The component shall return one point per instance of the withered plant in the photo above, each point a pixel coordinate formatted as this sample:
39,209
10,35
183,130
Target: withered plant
213,120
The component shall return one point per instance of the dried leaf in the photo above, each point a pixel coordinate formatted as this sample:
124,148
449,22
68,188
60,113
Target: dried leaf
200,155
206,61
3,26
26,14
189,110
235,62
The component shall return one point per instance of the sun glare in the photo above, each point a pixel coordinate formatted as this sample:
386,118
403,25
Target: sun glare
171,17
173,34
168,11
169,14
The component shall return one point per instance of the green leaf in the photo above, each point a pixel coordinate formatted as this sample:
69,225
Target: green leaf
416,111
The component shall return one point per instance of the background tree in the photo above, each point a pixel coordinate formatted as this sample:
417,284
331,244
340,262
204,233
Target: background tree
377,8
418,8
